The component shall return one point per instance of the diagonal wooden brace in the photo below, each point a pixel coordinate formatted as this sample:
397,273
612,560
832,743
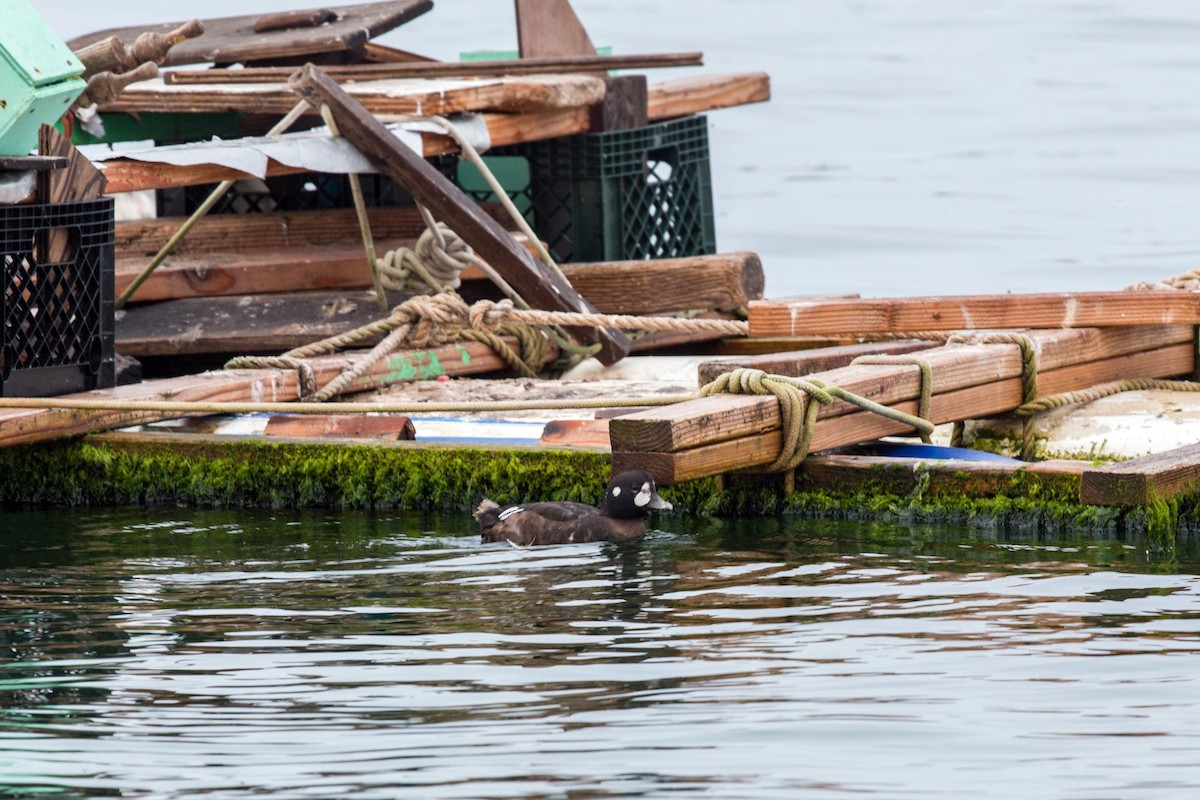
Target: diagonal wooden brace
536,283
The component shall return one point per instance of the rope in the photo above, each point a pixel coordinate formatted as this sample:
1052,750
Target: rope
1104,390
797,416
925,396
1029,380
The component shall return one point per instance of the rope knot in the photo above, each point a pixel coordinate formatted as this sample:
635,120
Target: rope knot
432,320
486,315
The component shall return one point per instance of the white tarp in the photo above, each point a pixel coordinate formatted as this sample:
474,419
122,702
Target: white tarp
313,150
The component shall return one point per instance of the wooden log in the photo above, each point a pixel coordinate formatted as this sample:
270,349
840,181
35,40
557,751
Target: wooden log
1143,481
540,287
521,94
230,40
1069,360
797,364
725,281
392,427
23,426
104,55
975,312
411,68
547,28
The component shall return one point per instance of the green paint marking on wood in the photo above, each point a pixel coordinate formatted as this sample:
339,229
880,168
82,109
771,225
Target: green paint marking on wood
419,366
466,355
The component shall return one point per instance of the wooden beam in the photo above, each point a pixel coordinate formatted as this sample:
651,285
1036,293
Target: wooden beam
798,363
559,65
624,104
664,100
343,426
448,96
1143,481
723,433
975,312
547,28
724,281
539,286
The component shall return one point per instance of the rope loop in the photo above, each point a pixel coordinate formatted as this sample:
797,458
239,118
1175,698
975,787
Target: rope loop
925,390
433,264
797,417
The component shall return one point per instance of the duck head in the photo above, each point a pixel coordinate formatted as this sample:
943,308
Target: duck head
631,495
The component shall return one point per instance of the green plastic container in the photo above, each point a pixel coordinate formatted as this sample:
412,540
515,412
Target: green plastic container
613,196
39,77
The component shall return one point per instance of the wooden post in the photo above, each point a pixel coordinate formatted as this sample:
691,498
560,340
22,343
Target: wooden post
624,105
551,28
537,284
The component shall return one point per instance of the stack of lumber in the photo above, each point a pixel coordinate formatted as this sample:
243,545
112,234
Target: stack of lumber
1132,335
196,301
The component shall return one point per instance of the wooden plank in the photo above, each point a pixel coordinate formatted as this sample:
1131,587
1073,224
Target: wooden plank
762,447
591,433
1143,481
559,65
35,163
23,426
80,180
540,287
948,477
679,97
798,363
975,312
1088,356
251,272
260,324
443,96
392,427
229,40
665,100
547,28
217,233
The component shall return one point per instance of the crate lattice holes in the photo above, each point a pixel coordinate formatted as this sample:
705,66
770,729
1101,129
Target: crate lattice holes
58,298
618,195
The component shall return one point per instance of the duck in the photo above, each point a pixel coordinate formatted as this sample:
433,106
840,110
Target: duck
628,499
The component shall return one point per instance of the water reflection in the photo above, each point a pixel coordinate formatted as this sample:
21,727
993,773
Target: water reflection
230,655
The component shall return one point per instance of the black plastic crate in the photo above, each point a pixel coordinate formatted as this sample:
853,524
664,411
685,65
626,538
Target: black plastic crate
58,298
630,194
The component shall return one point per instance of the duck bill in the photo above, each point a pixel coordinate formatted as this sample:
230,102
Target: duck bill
660,504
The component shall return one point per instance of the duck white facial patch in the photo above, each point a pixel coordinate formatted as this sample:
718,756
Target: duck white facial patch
616,491
642,498
508,512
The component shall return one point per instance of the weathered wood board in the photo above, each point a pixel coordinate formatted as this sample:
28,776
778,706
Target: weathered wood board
797,364
560,65
442,96
230,40
1145,480
550,28
975,312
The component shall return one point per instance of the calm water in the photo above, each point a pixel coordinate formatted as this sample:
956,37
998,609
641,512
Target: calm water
201,654
919,147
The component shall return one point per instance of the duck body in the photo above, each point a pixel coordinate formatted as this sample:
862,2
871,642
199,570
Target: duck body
628,499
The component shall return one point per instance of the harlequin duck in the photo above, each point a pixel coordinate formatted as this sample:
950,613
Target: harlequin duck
628,498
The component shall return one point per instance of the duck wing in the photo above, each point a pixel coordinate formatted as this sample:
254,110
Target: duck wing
534,523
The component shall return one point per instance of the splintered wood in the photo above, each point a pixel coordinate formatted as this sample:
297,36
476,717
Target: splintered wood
722,433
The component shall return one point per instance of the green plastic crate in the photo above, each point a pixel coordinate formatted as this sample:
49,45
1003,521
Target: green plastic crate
39,77
613,196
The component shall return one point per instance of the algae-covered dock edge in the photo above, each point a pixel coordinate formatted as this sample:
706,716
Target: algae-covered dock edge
230,472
